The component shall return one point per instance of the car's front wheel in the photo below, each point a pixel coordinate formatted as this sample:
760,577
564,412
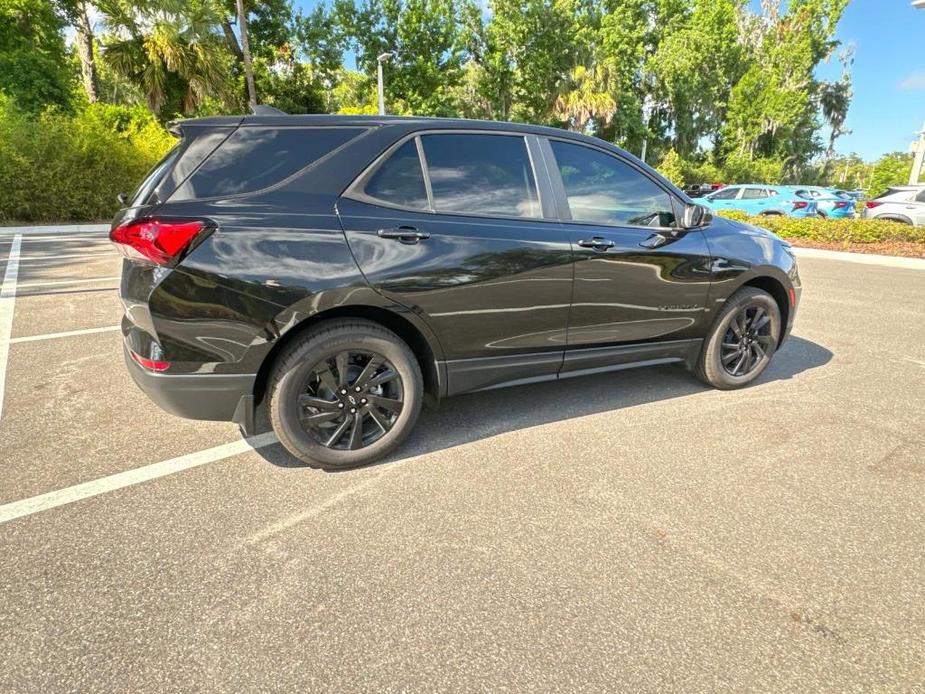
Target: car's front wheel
742,340
345,394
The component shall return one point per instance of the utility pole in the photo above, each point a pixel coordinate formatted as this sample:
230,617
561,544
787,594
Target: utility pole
246,50
916,172
381,59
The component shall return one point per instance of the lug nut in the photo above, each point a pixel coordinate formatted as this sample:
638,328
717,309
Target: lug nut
362,401
353,410
340,405
343,391
357,389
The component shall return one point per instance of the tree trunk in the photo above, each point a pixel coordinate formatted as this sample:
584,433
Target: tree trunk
231,40
84,43
246,50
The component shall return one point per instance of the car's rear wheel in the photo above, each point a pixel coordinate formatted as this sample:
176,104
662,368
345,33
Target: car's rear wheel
345,394
741,341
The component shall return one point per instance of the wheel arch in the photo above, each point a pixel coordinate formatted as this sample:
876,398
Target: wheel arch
778,292
414,337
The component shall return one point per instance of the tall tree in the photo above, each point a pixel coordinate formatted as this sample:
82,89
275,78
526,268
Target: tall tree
171,49
246,55
33,65
77,13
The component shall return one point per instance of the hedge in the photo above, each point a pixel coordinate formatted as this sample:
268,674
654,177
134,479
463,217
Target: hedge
61,167
836,231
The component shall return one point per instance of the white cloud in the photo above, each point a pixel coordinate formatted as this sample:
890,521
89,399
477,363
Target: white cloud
913,82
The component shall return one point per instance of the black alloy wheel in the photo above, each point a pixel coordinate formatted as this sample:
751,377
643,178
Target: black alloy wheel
741,341
344,393
747,341
350,399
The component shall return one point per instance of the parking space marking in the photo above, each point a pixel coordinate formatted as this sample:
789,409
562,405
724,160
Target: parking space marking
85,490
49,283
66,333
107,254
7,305
61,239
60,229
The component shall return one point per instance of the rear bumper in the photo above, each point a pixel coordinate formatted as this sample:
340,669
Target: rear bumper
216,397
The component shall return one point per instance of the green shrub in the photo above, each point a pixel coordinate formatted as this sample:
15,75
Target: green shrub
836,231
61,167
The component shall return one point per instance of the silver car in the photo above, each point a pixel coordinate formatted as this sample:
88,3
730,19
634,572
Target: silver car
904,204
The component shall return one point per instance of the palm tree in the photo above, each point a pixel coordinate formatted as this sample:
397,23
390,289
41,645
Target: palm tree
586,100
170,49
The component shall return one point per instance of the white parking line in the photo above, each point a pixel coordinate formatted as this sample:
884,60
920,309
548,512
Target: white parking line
56,229
7,304
67,333
110,254
68,495
49,283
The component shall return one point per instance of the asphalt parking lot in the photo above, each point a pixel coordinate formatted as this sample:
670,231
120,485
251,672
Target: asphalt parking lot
634,531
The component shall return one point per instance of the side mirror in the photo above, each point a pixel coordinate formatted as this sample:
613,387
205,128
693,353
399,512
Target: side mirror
122,198
696,216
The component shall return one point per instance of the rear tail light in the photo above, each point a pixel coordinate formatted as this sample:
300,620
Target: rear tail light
842,204
800,204
149,364
157,240
871,204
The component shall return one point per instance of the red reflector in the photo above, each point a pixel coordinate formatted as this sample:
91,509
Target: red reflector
150,364
871,204
800,204
793,297
158,240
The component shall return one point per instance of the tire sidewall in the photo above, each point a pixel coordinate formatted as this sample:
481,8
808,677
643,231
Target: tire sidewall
713,368
284,409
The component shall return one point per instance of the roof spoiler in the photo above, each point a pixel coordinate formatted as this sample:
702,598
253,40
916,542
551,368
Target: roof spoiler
264,110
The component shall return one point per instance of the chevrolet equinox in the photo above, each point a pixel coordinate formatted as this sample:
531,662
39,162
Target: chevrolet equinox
344,269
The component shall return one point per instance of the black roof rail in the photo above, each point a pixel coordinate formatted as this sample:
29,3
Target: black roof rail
265,110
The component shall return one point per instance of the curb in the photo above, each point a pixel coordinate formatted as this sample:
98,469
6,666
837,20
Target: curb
861,258
55,229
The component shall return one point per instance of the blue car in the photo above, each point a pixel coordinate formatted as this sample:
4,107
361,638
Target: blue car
830,202
758,199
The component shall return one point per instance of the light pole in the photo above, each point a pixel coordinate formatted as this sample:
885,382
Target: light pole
916,172
381,59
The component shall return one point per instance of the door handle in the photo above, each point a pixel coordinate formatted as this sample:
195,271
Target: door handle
403,234
597,243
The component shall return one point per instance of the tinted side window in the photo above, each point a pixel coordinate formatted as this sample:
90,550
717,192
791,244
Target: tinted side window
400,180
725,194
921,196
604,190
255,158
754,194
481,174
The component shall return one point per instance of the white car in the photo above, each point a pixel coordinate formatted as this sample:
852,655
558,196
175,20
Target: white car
905,204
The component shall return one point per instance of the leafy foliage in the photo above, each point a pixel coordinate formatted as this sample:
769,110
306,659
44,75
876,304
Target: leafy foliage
834,231
33,68
58,166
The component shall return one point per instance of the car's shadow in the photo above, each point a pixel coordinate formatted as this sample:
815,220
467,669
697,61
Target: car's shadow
476,416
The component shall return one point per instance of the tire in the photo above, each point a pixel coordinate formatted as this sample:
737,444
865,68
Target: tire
752,304
309,370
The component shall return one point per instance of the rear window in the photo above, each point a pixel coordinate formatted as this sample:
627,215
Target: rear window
253,158
481,174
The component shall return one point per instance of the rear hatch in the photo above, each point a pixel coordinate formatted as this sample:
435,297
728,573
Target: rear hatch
152,244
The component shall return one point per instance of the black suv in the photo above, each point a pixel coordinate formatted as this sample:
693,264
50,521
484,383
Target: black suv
346,268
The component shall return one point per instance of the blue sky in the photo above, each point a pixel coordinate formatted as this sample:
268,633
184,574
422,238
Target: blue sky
888,74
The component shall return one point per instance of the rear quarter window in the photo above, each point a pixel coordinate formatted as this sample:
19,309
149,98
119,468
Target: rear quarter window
254,158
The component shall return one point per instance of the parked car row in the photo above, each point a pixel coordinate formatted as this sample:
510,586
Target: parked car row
903,204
